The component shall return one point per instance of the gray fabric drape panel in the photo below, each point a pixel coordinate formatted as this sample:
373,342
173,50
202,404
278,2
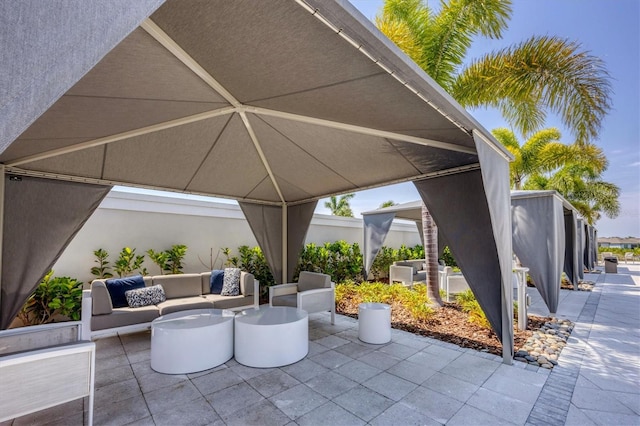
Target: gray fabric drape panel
376,228
570,253
586,253
589,257
580,247
495,179
64,41
538,241
420,231
459,207
299,217
41,217
266,224
594,248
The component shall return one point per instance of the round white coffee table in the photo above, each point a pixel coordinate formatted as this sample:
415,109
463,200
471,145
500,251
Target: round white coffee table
271,336
191,341
374,323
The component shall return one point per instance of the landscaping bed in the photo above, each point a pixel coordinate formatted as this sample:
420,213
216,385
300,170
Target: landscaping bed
450,324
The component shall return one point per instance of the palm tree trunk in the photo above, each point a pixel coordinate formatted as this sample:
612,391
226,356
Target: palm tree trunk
430,234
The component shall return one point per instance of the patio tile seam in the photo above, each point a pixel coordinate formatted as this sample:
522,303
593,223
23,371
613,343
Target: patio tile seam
142,394
560,385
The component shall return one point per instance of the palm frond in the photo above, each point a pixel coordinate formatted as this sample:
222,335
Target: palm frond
548,72
453,30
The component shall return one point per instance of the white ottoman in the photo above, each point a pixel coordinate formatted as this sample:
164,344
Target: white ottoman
271,336
374,323
191,341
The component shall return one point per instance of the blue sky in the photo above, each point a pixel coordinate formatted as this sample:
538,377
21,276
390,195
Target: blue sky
607,29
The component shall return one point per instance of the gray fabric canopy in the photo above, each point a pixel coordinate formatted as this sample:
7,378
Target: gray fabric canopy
275,104
546,237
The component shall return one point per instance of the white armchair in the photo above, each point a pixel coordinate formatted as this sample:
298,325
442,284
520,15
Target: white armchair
313,292
45,365
407,272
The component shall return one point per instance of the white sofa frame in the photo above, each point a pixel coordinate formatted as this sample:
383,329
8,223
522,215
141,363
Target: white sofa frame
43,377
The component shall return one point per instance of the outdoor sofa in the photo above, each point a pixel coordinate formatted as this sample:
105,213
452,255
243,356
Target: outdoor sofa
182,291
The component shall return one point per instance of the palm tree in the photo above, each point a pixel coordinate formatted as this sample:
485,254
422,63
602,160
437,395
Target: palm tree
387,204
430,236
543,153
573,170
582,188
523,81
340,206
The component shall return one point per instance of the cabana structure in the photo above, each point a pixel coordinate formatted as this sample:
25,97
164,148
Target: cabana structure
275,104
546,237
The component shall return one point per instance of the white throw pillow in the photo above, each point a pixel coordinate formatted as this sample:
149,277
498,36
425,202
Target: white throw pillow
145,296
231,285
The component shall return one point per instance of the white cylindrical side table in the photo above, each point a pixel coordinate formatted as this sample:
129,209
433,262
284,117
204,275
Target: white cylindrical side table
374,323
190,341
271,336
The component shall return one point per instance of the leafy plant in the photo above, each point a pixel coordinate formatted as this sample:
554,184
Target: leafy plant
170,260
102,270
470,305
252,260
231,260
128,262
54,297
175,259
447,257
160,258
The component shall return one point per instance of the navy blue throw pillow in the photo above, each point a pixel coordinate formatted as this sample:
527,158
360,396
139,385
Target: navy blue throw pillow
217,280
118,286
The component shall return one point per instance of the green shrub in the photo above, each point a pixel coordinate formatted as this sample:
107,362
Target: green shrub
447,257
382,262
414,300
252,260
386,257
341,260
54,297
619,252
469,304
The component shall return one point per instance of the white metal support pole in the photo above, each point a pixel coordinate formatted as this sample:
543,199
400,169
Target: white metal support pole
521,274
285,248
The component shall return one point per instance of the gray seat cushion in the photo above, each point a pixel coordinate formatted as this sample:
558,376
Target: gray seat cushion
183,304
285,300
125,316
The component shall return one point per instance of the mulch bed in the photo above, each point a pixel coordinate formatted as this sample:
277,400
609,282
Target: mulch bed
451,324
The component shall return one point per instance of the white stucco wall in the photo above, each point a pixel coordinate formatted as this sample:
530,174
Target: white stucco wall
145,222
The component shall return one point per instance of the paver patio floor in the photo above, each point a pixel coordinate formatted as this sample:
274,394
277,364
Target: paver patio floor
411,380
